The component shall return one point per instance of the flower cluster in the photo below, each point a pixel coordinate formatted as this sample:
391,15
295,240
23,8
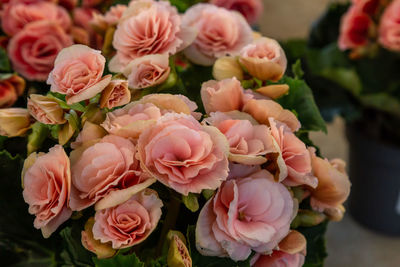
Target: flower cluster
136,138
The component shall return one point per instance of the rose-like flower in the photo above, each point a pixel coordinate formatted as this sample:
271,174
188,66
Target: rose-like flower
45,109
333,186
101,250
263,109
132,38
101,22
264,59
368,6
131,120
32,51
183,154
214,95
354,29
47,184
220,32
129,223
250,9
147,71
252,213
16,15
249,142
14,121
280,259
106,172
389,29
77,73
11,87
295,154
116,94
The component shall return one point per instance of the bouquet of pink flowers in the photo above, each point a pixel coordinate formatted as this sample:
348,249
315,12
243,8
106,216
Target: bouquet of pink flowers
180,143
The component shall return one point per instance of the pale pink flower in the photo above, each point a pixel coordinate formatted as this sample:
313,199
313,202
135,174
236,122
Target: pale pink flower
250,9
389,29
77,73
220,32
47,184
183,154
113,16
252,213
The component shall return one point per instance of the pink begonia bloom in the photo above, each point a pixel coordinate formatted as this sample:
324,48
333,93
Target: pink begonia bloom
389,29
252,213
147,71
295,154
220,32
264,59
250,9
129,223
354,29
183,154
133,38
33,50
237,170
16,15
106,173
131,120
333,186
214,95
279,259
116,94
78,73
249,141
83,16
47,184
367,6
111,18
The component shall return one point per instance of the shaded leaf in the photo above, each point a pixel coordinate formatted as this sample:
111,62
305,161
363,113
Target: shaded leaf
119,261
4,62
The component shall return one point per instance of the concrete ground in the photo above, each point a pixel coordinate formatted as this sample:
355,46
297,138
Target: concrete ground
349,244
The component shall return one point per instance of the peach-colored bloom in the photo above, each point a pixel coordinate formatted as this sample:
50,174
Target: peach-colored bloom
333,186
45,109
47,183
77,73
116,94
32,51
89,133
14,121
252,213
132,38
214,95
129,223
220,32
183,154
106,172
280,259
227,67
131,120
249,142
250,9
354,29
111,18
264,59
16,15
295,154
263,109
101,250
147,71
389,29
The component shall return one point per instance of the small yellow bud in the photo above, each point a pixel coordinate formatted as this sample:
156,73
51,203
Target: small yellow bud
227,67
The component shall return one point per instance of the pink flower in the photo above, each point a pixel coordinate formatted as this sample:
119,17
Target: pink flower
295,155
77,73
250,9
280,259
354,29
389,29
147,71
129,223
83,16
90,3
47,183
252,213
333,186
249,142
17,15
115,13
115,94
220,32
183,154
367,6
33,50
133,38
214,95
106,173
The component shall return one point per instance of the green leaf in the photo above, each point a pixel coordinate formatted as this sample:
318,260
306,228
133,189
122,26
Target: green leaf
4,62
316,248
39,133
74,253
382,101
199,260
119,261
297,70
191,202
301,100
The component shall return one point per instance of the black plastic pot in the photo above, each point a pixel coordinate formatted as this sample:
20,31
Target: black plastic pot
375,175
